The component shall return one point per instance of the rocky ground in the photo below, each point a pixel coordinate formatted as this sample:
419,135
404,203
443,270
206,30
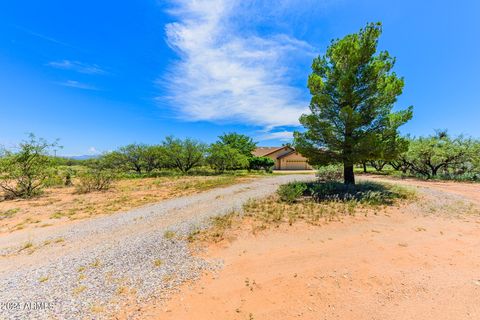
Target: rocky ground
92,268
417,261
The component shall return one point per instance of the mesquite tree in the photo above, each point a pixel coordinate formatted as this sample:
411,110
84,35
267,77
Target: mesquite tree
23,173
184,154
353,91
428,155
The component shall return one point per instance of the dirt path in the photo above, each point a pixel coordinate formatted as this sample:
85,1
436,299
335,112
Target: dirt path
468,191
417,262
85,270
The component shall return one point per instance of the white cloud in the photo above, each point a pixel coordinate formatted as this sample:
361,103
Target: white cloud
93,151
226,73
77,67
78,85
279,135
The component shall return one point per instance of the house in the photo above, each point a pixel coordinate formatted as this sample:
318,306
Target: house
286,158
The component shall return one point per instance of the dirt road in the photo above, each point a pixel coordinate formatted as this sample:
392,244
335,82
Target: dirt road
86,270
421,261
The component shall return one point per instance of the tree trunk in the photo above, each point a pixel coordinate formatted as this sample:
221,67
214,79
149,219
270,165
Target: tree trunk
348,175
364,167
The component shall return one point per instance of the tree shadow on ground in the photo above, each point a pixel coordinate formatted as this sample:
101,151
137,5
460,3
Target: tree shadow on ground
364,192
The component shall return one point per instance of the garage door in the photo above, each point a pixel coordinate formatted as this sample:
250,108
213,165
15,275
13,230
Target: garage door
296,165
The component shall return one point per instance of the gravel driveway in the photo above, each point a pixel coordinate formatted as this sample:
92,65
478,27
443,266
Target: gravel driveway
88,269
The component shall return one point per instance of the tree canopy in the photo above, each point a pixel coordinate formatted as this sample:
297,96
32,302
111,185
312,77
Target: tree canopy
222,157
244,144
353,92
24,173
184,154
429,155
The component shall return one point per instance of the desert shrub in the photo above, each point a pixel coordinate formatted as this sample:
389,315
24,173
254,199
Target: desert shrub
290,192
223,157
261,163
365,192
95,180
60,176
466,176
54,179
24,174
330,173
67,177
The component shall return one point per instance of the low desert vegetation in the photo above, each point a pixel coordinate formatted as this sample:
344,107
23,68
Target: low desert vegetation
60,204
291,192
95,180
315,202
438,156
24,174
36,186
27,170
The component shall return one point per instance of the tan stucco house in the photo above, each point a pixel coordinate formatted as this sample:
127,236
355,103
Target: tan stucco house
286,158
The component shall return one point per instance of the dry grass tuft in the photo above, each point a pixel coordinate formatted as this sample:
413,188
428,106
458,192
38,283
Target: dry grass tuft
314,204
158,262
169,235
218,228
57,205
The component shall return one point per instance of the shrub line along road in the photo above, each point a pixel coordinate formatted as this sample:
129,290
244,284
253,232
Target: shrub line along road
85,264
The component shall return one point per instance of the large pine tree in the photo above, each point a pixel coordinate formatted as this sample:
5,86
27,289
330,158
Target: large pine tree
353,92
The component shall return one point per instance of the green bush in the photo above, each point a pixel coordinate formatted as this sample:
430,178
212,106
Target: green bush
365,192
25,173
95,180
290,192
223,157
467,176
329,173
261,163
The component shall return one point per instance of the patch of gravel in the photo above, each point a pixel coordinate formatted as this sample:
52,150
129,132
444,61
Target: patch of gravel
79,285
117,254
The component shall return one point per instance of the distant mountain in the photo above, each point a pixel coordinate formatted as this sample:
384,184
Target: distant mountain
84,157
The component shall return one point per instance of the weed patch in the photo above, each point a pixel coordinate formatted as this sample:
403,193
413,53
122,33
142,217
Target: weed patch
218,228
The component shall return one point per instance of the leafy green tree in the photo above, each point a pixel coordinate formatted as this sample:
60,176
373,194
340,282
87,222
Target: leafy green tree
111,160
440,152
132,156
140,158
183,154
23,174
244,144
261,163
153,158
222,157
353,92
476,156
378,164
387,150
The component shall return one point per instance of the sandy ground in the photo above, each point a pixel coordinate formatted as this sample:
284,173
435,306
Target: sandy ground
414,262
61,206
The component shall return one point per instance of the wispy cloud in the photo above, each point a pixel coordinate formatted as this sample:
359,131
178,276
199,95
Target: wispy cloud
77,67
44,37
226,73
78,85
279,135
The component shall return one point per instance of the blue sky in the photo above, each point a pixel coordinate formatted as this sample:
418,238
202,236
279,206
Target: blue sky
100,74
